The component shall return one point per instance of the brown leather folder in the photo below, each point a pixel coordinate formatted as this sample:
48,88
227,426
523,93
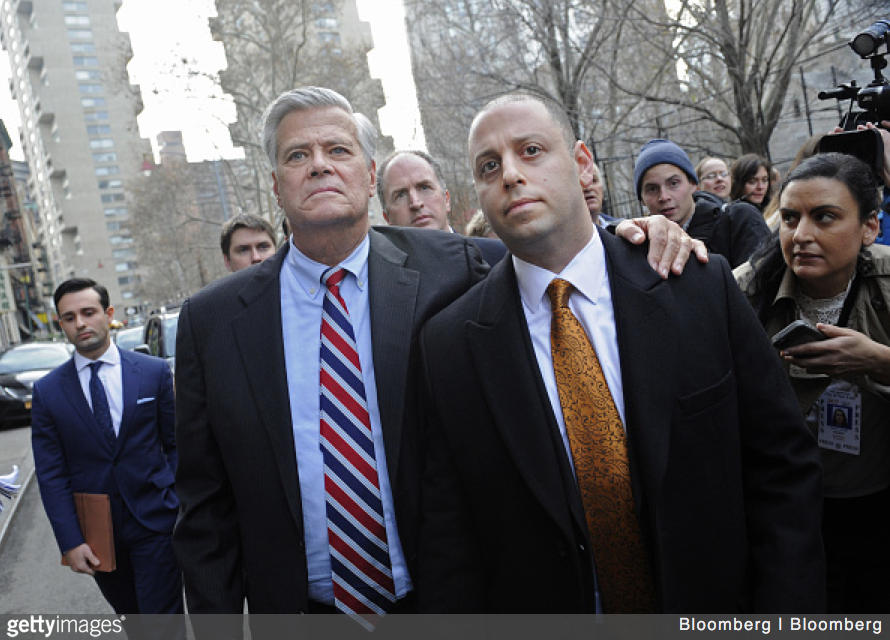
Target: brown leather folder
94,514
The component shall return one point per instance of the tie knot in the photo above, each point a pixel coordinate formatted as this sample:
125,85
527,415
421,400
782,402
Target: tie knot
95,366
559,291
333,277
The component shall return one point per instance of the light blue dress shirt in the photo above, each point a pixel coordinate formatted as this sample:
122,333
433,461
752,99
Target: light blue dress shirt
302,295
111,376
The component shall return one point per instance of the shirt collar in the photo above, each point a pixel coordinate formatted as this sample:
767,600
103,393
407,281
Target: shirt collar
111,357
308,272
586,272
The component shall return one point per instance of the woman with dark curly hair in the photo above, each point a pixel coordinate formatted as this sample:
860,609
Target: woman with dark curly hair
821,265
751,180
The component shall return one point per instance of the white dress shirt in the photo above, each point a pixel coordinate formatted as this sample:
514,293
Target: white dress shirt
111,377
302,296
591,302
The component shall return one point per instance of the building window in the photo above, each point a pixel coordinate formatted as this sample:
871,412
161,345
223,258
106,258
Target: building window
116,211
125,266
108,198
80,34
83,47
115,226
95,115
86,61
75,7
91,88
87,75
102,144
98,129
107,171
78,21
326,23
329,38
111,184
105,157
92,102
123,253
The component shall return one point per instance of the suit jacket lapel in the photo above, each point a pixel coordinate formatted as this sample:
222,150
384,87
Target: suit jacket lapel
509,374
258,335
130,377
649,348
70,385
393,297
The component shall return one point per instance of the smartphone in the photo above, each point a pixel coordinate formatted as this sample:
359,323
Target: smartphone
797,333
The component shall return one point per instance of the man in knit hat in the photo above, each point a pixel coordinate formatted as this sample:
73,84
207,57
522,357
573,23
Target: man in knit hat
666,183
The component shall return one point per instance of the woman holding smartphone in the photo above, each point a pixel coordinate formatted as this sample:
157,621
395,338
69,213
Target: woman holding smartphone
821,266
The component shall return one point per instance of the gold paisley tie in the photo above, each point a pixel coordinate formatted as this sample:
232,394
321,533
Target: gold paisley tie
599,450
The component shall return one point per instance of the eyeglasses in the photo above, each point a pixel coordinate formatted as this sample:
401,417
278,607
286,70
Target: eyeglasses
715,174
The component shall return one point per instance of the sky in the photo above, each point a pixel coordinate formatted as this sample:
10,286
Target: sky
186,99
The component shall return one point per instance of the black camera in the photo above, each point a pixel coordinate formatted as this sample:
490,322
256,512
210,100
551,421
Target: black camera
873,100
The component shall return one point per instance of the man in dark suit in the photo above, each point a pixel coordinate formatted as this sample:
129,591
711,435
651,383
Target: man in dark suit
255,521
632,447
104,423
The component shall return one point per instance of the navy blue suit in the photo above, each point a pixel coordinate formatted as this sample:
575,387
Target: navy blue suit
71,454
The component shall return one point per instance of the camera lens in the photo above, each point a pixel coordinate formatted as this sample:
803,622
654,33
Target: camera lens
867,42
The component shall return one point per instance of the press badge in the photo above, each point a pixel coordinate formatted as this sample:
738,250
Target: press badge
840,419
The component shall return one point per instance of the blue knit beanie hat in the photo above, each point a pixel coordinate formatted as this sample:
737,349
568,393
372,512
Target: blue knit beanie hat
661,152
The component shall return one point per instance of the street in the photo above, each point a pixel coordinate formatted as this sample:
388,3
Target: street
31,578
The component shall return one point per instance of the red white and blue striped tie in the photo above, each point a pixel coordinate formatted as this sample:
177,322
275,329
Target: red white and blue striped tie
360,564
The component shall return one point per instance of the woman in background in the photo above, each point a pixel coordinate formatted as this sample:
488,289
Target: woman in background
714,177
751,180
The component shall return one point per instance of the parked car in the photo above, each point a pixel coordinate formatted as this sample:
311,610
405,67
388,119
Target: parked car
159,336
129,338
20,367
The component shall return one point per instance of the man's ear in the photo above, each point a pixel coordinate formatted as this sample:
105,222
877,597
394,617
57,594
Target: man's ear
373,170
584,160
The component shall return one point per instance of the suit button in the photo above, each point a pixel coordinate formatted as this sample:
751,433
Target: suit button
561,549
581,547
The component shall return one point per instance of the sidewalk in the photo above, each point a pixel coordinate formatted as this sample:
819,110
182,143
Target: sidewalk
15,450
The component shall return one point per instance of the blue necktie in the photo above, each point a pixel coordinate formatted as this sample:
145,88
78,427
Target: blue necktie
100,404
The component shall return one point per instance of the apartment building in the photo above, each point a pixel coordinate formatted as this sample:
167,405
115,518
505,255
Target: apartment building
79,136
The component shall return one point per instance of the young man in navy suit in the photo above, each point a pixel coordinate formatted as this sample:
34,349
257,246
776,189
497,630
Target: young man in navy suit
103,423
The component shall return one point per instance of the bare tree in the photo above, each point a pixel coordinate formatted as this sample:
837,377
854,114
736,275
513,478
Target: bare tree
467,51
177,243
736,59
273,46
